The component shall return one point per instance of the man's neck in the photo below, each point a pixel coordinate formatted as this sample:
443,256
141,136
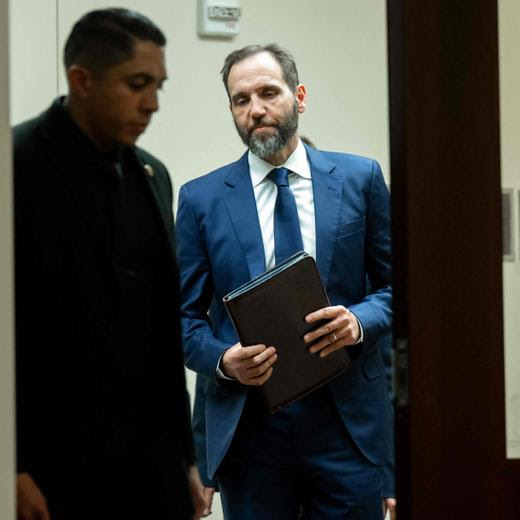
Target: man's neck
77,114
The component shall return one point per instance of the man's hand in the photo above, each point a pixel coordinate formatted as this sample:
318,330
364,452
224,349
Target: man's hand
341,330
197,492
249,365
389,504
31,504
208,493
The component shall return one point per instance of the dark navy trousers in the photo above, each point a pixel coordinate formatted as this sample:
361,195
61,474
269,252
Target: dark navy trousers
302,456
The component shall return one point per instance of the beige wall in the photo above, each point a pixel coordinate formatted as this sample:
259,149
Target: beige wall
341,55
340,48
33,60
6,285
340,51
509,35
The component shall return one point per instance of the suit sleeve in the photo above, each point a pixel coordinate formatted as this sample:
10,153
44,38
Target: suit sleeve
202,349
172,374
23,328
189,447
375,310
199,432
29,362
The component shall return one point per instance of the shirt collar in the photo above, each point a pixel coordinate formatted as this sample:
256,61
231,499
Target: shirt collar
297,162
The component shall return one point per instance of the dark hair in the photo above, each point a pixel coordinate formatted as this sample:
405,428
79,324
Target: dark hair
282,56
101,39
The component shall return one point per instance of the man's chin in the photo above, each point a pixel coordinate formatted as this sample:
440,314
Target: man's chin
129,139
265,148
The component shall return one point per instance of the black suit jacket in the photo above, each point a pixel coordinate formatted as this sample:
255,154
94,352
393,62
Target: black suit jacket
80,409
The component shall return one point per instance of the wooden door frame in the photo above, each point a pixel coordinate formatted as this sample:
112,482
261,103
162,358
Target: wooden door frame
7,410
446,204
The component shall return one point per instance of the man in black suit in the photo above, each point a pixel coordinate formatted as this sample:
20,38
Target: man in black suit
103,414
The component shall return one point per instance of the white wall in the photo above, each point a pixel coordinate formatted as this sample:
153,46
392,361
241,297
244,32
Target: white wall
509,31
340,49
33,59
6,284
340,52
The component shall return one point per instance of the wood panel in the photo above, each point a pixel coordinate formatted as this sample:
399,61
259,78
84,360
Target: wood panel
445,163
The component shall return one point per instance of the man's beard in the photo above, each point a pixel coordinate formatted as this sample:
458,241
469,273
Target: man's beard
264,144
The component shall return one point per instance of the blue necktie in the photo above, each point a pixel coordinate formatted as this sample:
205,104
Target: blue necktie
287,233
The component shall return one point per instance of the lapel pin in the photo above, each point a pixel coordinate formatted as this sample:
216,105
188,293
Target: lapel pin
149,170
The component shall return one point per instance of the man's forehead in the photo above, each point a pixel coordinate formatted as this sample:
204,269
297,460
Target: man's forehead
147,59
261,68
260,62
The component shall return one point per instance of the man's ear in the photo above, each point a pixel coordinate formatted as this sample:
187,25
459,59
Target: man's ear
301,98
80,81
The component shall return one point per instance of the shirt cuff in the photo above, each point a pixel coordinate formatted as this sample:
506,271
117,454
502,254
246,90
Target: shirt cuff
361,331
220,373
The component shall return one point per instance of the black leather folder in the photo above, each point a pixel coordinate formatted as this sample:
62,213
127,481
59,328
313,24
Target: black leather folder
271,310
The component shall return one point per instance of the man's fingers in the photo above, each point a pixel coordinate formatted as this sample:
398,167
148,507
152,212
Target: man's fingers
31,503
249,351
327,328
336,339
208,499
338,336
258,370
333,341
391,505
323,314
330,349
247,369
319,346
263,356
237,358
338,318
258,381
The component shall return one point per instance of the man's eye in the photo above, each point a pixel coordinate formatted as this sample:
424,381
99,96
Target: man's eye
137,85
240,102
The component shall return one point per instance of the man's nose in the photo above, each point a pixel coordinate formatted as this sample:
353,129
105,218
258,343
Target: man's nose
150,101
257,108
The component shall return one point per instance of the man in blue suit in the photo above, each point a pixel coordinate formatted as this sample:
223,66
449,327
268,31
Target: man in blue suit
326,451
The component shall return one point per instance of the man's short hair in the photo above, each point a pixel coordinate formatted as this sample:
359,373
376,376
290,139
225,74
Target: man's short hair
281,55
106,37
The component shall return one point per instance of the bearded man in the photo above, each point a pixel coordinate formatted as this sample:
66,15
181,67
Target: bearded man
326,452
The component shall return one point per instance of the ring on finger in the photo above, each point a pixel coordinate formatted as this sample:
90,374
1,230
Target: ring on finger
334,338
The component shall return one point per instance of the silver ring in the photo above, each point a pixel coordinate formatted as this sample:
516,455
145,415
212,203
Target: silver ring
335,338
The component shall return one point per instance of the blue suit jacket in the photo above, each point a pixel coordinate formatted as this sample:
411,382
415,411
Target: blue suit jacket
220,247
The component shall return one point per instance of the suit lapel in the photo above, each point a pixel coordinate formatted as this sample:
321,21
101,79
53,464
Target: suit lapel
241,205
149,174
160,202
327,202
